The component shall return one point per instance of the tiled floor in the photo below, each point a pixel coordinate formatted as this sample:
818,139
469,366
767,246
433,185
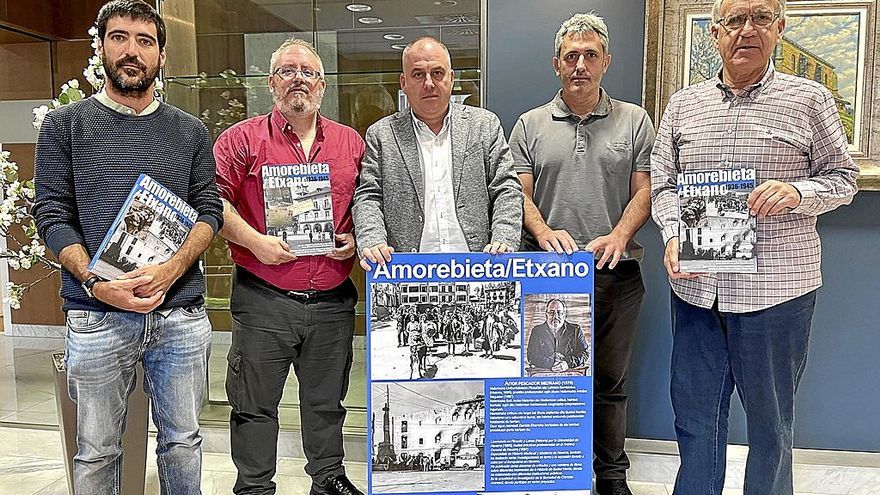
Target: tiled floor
31,464
31,460
27,382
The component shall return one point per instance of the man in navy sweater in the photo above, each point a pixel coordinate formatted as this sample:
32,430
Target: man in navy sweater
89,155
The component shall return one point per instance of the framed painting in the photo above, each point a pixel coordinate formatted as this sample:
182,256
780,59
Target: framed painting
831,42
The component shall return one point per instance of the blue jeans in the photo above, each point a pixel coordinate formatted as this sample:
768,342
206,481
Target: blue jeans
762,355
103,349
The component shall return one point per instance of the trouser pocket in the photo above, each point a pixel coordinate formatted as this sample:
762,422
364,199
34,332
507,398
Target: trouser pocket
233,376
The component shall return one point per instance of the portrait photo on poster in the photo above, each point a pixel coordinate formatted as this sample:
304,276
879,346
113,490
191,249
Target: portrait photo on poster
558,335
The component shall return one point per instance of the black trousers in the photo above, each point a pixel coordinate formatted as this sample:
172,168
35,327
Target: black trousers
618,299
271,332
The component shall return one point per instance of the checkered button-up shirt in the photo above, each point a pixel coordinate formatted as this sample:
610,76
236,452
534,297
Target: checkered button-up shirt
786,128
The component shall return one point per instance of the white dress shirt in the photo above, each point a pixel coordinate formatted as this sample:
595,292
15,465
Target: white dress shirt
441,232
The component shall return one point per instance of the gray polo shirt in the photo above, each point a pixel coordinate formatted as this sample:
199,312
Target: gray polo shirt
582,168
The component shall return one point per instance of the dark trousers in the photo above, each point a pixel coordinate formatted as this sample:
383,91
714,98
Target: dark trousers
762,355
271,331
618,300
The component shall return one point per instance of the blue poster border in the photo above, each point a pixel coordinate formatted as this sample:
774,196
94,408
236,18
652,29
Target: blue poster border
536,274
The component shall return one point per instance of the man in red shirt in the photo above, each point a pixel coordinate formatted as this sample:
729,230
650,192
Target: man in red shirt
289,308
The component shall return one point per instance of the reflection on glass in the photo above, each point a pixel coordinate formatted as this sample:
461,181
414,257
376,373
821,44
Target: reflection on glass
218,62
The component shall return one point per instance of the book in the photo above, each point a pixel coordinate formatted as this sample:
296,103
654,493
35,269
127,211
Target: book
151,226
717,232
299,207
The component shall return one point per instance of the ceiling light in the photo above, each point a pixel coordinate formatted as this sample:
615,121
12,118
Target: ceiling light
398,46
446,3
370,20
358,7
393,36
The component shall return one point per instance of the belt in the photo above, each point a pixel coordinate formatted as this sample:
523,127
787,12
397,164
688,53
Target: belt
303,296
623,267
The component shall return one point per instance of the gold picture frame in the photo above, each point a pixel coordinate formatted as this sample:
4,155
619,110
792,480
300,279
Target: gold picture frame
845,61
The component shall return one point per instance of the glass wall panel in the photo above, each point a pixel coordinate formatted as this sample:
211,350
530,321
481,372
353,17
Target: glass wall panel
218,60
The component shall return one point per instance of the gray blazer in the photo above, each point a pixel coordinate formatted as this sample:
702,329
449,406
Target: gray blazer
389,200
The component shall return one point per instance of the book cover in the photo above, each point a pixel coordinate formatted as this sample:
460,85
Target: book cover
299,208
479,374
717,233
151,226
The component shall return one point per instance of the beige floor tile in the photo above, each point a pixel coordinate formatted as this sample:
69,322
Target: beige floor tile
44,444
648,488
59,487
217,463
28,475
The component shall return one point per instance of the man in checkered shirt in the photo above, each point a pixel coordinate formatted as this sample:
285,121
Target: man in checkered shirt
748,331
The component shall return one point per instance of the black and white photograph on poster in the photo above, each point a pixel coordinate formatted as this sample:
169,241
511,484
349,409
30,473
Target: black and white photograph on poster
542,492
425,330
558,335
427,437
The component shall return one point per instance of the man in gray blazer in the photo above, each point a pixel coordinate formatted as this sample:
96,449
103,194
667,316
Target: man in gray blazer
438,177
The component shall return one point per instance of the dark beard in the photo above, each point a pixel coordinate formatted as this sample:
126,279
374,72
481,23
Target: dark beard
116,79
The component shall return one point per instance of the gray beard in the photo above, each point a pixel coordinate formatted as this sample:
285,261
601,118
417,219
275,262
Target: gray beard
297,106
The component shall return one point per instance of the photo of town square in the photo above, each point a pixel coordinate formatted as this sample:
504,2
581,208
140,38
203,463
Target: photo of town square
725,232
301,214
145,236
425,330
427,437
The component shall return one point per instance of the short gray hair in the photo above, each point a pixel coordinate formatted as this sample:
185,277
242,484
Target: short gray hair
716,9
295,42
419,40
582,24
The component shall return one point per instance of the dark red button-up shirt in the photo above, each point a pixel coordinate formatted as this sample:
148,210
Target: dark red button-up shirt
242,151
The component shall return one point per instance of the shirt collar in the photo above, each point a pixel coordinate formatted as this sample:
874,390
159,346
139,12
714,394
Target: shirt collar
752,90
280,121
104,99
423,129
561,111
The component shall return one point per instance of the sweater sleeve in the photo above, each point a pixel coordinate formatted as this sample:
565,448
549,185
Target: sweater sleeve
203,186
55,208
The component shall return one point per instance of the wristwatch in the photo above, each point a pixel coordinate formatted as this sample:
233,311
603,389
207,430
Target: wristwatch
89,283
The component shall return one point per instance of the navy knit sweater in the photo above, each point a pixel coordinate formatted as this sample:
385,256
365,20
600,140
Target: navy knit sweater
88,158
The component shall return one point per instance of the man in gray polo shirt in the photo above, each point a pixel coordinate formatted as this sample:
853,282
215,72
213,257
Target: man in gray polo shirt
583,160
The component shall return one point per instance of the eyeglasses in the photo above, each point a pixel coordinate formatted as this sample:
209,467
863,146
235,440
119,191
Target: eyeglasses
760,18
289,73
